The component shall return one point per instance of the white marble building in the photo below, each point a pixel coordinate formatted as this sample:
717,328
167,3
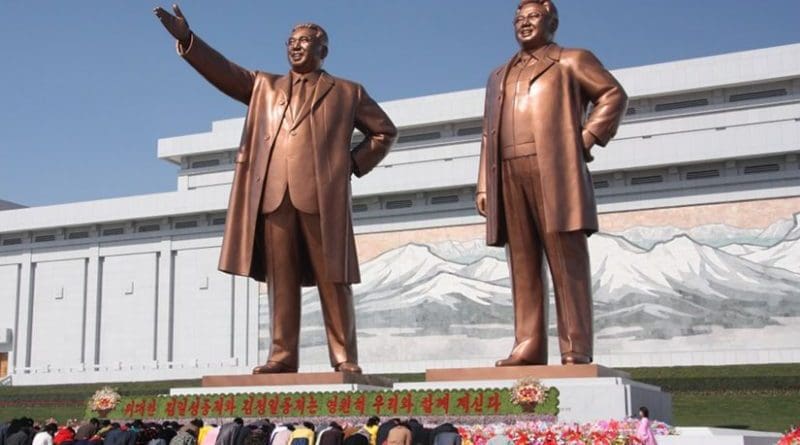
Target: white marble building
127,288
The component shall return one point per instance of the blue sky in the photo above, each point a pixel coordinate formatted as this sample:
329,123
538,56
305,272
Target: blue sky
88,87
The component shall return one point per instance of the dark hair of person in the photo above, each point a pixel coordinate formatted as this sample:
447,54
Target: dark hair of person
374,420
198,422
14,426
257,438
238,420
645,412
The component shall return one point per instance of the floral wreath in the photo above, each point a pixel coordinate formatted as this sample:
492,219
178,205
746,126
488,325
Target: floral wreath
528,391
105,399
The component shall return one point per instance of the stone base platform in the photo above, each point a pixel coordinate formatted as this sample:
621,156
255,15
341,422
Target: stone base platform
586,392
517,372
304,379
581,400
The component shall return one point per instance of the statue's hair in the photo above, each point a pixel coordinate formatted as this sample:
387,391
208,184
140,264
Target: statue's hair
321,35
549,6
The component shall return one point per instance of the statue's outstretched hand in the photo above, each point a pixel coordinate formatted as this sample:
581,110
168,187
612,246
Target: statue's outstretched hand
175,24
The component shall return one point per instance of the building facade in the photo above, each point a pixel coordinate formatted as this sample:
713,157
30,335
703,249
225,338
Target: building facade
697,261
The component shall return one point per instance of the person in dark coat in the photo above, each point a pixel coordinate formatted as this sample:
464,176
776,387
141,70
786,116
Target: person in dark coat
356,439
116,436
233,433
87,430
419,434
3,431
168,431
383,430
445,434
332,435
15,434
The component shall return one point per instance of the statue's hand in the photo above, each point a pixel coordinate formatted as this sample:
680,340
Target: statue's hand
588,142
480,203
175,24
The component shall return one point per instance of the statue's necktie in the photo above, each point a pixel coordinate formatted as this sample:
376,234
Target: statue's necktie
299,97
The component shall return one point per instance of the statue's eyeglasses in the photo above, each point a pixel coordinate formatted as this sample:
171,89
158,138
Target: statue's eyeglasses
302,40
520,19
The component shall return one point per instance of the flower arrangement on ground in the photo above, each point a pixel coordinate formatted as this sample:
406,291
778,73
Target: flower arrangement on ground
611,432
792,437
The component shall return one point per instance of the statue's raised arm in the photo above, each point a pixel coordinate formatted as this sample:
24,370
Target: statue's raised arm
228,77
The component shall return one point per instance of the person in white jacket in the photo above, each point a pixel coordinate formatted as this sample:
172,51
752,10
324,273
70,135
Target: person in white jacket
45,436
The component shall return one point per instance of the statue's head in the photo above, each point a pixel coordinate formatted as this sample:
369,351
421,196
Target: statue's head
535,23
307,47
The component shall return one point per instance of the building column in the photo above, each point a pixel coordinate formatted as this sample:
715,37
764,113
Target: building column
164,305
22,358
92,309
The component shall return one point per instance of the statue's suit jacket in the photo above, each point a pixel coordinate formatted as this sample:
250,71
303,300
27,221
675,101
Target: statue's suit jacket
338,106
562,85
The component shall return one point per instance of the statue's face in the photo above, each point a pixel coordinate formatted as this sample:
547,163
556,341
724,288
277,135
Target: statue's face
305,51
532,26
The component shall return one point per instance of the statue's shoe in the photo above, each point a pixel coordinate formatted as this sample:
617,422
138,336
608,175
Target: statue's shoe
274,368
348,367
575,359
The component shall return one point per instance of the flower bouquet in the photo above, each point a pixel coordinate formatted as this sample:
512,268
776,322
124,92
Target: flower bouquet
104,400
527,392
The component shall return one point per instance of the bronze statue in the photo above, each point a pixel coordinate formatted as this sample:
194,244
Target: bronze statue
289,220
534,188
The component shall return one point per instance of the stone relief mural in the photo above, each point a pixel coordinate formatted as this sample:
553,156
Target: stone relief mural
655,288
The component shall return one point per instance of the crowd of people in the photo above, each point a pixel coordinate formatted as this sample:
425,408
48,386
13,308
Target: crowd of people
24,431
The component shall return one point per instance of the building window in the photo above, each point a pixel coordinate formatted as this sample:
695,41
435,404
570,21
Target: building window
44,238
399,204
420,137
469,131
447,199
601,184
761,168
185,224
630,111
757,95
114,231
702,174
682,104
149,228
12,241
360,207
219,221
78,235
205,163
640,180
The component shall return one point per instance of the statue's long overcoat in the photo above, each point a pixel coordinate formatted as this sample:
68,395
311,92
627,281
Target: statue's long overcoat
563,83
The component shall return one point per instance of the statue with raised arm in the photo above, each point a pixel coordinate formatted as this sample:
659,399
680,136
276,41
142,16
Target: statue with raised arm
534,187
289,220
